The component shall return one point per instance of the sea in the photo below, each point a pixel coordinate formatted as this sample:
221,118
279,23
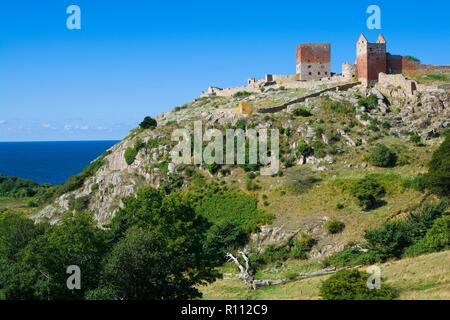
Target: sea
49,162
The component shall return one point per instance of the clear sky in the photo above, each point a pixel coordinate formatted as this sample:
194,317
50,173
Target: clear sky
136,58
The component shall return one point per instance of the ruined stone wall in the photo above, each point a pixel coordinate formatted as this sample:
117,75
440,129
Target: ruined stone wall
313,61
397,81
281,78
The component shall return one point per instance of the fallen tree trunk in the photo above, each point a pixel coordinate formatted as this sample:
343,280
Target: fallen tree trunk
245,275
254,283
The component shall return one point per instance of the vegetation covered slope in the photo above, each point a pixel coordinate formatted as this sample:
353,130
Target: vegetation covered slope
351,161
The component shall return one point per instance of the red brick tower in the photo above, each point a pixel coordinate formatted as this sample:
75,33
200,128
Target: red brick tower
371,59
313,61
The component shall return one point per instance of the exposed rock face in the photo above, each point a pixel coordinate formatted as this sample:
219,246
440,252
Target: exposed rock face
426,112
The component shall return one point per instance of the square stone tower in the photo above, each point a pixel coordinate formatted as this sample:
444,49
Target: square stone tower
313,61
371,59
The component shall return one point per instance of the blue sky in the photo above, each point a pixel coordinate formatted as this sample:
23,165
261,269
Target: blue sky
138,58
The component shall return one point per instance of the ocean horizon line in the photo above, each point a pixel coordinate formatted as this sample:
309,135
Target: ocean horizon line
50,141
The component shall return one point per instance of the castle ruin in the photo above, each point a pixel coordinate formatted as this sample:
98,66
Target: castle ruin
313,61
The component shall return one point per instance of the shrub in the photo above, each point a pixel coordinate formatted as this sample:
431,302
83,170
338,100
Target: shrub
152,143
334,226
418,183
304,149
17,187
232,206
294,248
392,239
319,148
352,285
301,112
368,193
130,155
79,204
131,152
225,236
412,58
389,241
415,138
436,239
370,102
241,94
299,181
171,183
438,176
251,185
353,254
241,124
382,156
148,123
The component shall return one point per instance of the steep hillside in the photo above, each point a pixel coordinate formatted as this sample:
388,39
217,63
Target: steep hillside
352,159
340,126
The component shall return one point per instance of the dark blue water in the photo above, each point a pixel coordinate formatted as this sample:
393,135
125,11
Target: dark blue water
49,162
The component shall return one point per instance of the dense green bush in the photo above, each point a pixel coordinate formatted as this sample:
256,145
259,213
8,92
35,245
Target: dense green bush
302,112
334,226
131,152
304,149
436,239
17,187
415,138
242,94
353,254
294,248
234,207
172,182
370,102
393,238
382,156
352,285
418,183
344,107
438,176
368,193
148,123
38,270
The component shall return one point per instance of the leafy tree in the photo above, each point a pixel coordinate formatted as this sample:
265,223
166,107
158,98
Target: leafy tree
163,252
388,241
138,210
382,156
436,239
148,123
40,270
438,177
368,192
351,284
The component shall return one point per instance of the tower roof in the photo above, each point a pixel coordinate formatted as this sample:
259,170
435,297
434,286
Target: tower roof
381,39
362,38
